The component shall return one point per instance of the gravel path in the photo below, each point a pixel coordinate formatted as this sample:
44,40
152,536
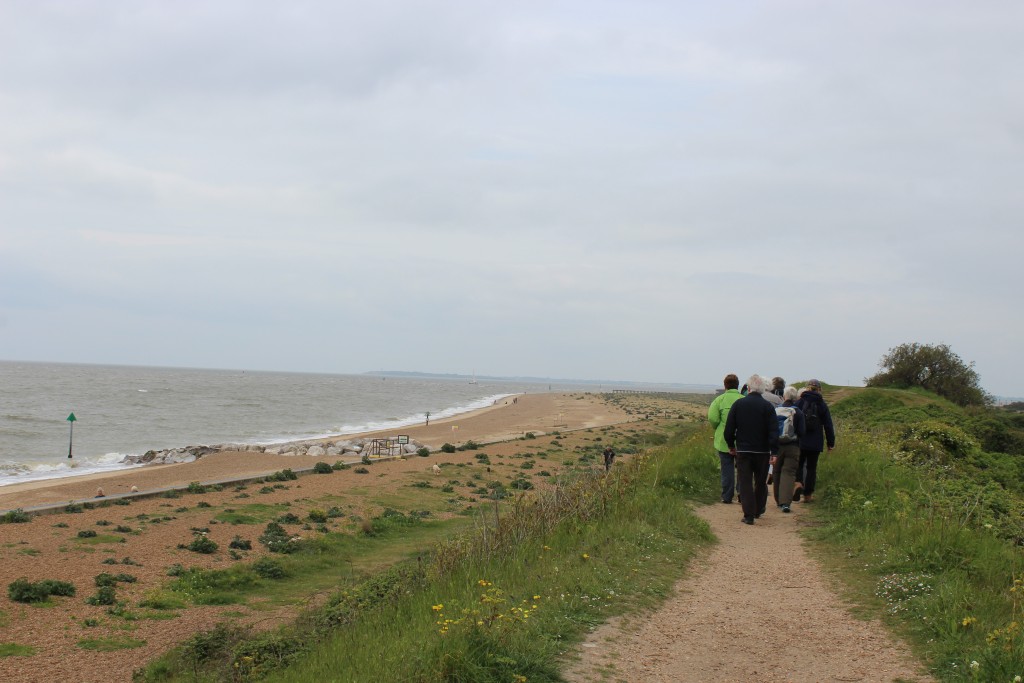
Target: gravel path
757,609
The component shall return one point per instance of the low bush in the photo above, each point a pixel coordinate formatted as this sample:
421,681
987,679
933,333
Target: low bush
322,468
277,539
17,516
423,452
105,595
201,544
239,543
23,590
269,568
447,448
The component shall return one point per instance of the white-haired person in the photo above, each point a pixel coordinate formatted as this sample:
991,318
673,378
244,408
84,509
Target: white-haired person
752,434
784,465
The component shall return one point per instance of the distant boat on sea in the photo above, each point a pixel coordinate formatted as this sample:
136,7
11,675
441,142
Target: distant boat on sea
473,378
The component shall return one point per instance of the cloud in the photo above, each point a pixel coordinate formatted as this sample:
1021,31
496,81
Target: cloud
656,192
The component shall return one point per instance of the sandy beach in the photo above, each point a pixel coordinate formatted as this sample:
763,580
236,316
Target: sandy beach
151,529
507,419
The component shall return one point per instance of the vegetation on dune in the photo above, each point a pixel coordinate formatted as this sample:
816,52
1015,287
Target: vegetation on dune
935,368
497,604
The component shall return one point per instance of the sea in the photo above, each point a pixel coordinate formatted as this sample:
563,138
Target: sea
127,410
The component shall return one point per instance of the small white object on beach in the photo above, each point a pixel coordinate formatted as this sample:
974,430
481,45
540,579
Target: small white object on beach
100,493
436,469
135,489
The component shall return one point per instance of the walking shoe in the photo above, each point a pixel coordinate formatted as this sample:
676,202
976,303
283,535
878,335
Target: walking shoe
798,491
748,520
785,508
727,502
809,498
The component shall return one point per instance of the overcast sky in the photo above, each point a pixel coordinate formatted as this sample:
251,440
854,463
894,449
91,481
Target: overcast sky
651,191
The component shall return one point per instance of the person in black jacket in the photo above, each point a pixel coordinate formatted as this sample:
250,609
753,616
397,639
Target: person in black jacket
820,434
752,434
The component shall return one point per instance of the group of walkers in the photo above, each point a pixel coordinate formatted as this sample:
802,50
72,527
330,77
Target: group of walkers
770,436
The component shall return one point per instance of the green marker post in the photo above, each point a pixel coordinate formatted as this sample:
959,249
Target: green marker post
71,438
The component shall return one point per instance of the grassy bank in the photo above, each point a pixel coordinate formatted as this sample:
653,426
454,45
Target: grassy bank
502,602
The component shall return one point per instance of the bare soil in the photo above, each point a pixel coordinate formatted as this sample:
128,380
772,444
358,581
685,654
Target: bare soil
757,608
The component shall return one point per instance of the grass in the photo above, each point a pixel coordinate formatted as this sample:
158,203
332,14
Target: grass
109,644
251,513
98,539
918,556
15,650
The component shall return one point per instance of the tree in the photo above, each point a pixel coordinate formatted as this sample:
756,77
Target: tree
935,368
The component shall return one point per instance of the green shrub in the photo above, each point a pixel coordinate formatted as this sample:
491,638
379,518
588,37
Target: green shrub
365,459
74,508
423,452
447,448
239,543
23,590
201,544
269,568
283,475
318,516
87,533
361,470
277,539
17,516
105,595
322,468
196,487
340,465
289,518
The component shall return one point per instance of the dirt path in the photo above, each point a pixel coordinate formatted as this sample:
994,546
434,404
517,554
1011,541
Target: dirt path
757,609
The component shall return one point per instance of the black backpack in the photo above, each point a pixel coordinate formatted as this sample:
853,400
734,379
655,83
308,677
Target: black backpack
812,422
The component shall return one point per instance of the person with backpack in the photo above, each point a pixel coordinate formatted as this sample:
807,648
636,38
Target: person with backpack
820,434
752,433
717,413
791,428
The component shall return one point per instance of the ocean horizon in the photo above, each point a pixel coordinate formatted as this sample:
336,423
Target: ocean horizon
129,410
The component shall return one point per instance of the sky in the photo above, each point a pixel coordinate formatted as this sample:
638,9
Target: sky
648,191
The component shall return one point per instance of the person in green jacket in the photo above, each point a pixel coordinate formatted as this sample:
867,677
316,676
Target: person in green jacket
717,414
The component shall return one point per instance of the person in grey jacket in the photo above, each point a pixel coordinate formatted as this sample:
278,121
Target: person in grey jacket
752,434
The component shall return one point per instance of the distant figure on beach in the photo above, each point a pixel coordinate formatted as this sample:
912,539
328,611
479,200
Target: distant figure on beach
820,434
717,414
135,489
752,434
609,458
100,493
